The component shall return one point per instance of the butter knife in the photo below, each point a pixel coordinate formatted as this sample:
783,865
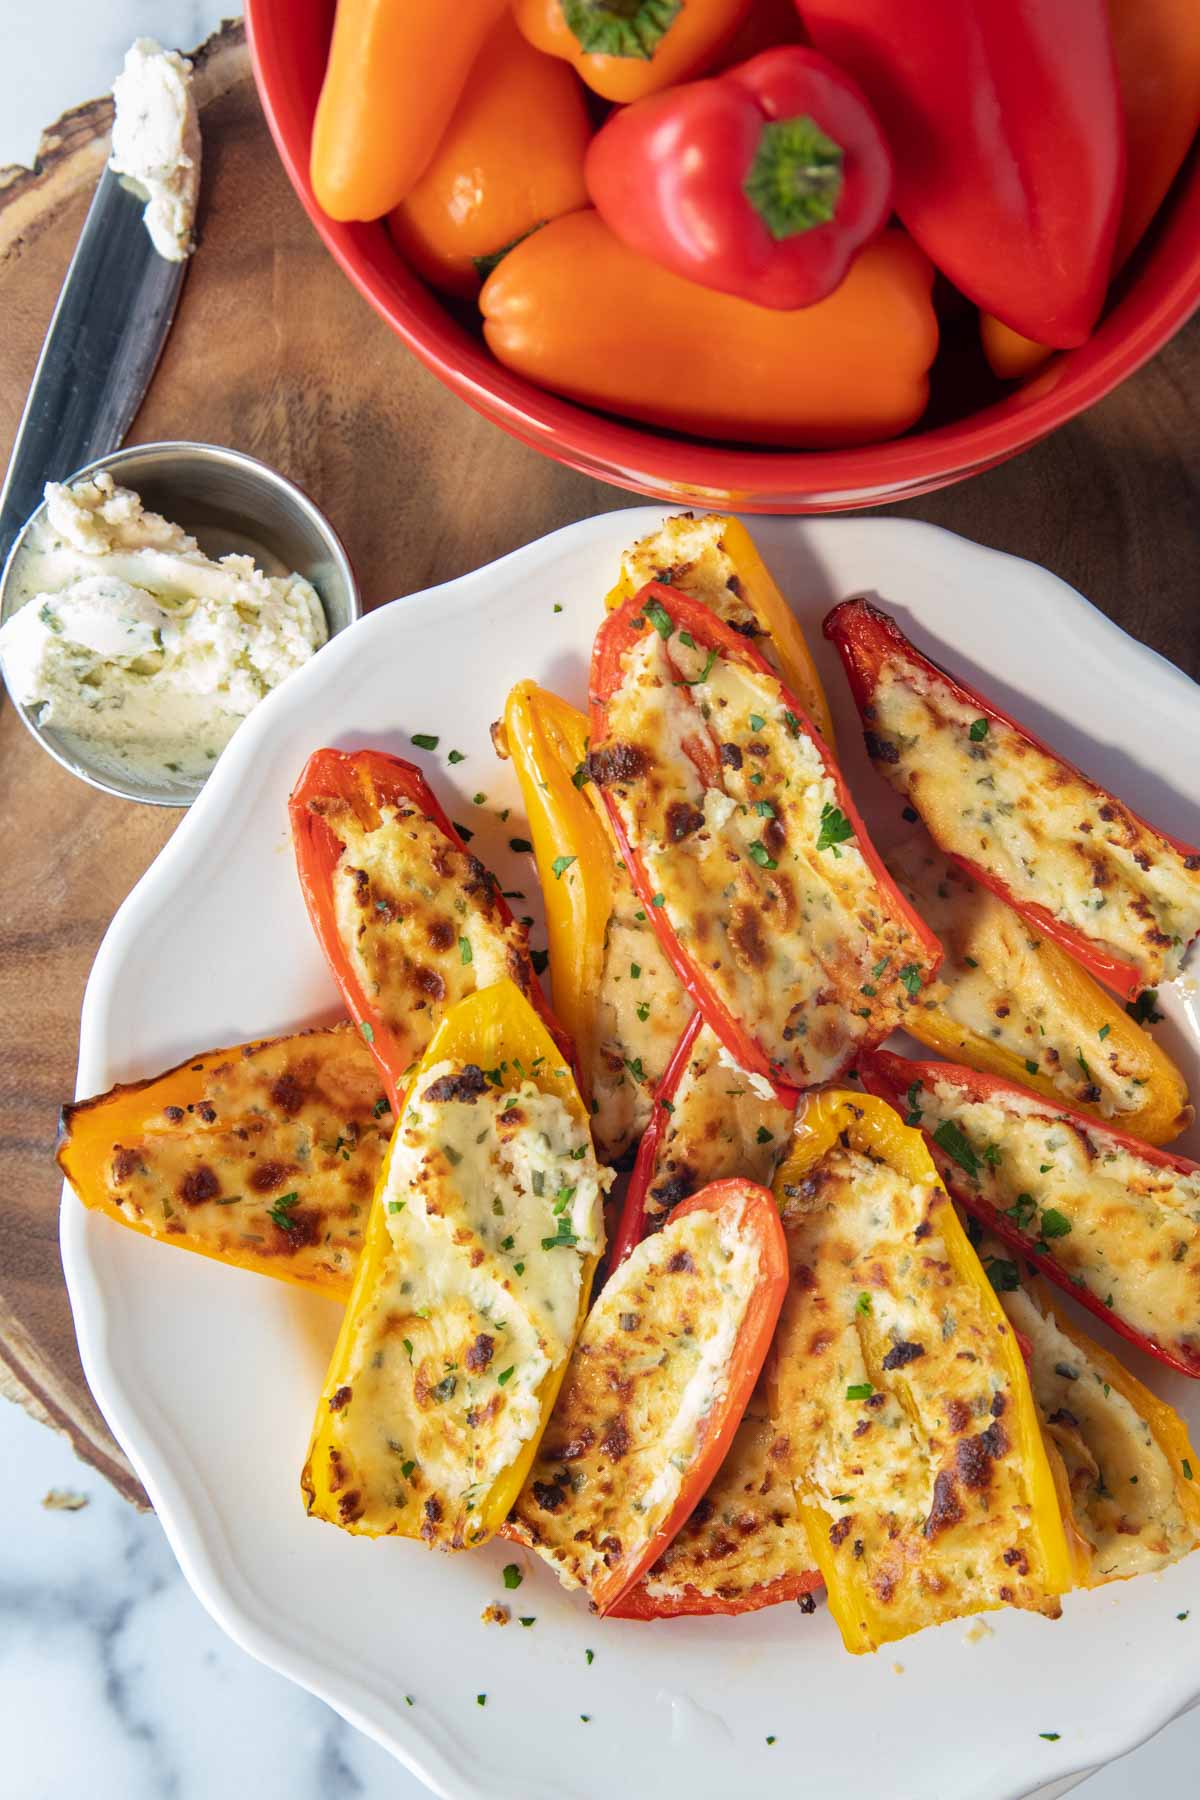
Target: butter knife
111,321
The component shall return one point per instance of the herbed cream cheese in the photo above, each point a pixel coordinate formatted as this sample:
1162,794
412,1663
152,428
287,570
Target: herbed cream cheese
139,646
156,142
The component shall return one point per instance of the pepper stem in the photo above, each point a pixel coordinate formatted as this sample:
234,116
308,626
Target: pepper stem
620,27
795,180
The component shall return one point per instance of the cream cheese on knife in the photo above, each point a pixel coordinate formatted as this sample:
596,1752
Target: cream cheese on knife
130,639
156,142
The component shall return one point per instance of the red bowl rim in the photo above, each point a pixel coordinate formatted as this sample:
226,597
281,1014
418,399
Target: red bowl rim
638,457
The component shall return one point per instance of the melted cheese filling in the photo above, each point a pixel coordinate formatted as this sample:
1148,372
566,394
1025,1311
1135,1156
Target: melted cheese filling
1050,836
690,555
758,872
276,1163
719,1125
493,1203
1124,1491
747,1531
633,1415
996,982
892,1390
641,1011
420,920
1123,1228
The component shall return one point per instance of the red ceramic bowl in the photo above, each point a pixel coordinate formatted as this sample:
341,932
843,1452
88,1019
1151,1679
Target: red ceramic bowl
978,423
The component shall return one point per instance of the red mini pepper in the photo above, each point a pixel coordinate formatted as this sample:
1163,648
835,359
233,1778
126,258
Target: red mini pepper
364,781
1006,124
966,1167
885,953
870,643
763,182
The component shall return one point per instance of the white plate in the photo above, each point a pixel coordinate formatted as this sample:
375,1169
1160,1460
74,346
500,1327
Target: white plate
208,1376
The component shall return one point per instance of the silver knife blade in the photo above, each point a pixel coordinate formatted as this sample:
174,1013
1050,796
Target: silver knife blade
106,335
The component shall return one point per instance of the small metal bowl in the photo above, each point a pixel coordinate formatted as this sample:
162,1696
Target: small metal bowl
228,502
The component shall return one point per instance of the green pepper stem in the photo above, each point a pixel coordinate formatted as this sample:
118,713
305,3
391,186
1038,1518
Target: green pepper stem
796,178
620,27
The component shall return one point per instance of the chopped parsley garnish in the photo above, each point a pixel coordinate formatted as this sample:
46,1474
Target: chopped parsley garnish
859,1390
1031,1067
761,855
478,799
658,900
560,865
978,731
591,1657
512,1576
1054,1223
910,976
763,1135
565,1238
464,949
863,1303
880,967
643,1010
757,721
521,846
281,1212
424,740
1186,1466
952,1140
481,1699
368,1030
407,1342
445,1388
770,1740
581,777
1103,1032
686,638
1051,1737
1022,1212
792,723
660,618
1004,1275
456,756
396,1206
835,828
380,1107
540,960
528,1622
1080,1059
635,971
634,1065
705,672
842,1499
504,1377
1144,1010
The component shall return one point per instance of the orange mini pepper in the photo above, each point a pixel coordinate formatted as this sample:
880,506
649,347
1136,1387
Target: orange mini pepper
393,79
624,52
574,310
511,158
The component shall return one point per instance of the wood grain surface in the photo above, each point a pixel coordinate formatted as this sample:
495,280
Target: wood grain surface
274,353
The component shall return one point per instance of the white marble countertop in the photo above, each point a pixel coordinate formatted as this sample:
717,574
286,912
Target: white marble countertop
113,1680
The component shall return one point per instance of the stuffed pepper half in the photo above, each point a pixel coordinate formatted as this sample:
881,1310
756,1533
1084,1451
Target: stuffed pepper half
655,1392
1111,1220
484,1237
1081,867
1128,1478
264,1156
745,847
897,1385
614,989
408,919
1013,1003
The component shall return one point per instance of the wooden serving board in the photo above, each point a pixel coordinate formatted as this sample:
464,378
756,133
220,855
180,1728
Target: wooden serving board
274,353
